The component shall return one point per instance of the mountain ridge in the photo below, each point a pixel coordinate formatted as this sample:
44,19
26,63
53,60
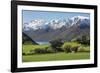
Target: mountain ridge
54,23
67,30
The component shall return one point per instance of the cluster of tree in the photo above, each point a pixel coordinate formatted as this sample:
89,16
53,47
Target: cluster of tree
84,40
70,47
58,45
43,50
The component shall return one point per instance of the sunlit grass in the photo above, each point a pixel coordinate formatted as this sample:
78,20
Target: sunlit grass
56,56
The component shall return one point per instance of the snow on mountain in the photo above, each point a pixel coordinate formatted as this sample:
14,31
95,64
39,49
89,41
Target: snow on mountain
34,25
79,17
56,23
78,20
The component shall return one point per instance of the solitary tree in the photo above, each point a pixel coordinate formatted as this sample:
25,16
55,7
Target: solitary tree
56,44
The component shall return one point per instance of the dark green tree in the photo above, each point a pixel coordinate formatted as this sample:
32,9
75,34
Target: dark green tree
84,40
56,44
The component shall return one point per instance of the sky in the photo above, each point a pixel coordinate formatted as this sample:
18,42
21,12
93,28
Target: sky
29,15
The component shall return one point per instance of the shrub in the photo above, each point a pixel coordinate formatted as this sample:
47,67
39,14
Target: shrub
50,50
31,52
81,49
43,50
66,47
74,47
84,49
23,53
40,51
70,47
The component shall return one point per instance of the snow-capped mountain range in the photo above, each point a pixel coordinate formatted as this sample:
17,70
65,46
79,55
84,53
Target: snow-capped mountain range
56,23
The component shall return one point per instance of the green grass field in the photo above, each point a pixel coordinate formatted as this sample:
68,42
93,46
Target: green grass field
51,56
56,56
27,48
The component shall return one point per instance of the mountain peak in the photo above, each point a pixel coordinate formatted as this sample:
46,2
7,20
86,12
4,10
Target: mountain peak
79,17
34,24
78,20
55,23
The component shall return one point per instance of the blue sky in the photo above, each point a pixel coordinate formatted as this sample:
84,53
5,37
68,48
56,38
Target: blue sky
29,15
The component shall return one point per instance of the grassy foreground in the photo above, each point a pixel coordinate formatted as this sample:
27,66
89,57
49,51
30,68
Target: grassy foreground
51,56
27,48
56,56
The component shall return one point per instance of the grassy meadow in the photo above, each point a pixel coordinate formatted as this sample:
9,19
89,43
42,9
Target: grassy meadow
56,56
30,56
28,48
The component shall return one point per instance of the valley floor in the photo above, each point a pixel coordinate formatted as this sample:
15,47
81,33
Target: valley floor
56,56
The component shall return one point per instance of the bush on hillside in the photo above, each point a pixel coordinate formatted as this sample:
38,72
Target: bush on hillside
40,51
70,47
84,49
50,50
66,47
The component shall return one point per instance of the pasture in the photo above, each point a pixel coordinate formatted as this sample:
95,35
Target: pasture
51,56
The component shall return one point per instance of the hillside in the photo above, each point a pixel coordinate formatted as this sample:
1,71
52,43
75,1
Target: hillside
27,39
